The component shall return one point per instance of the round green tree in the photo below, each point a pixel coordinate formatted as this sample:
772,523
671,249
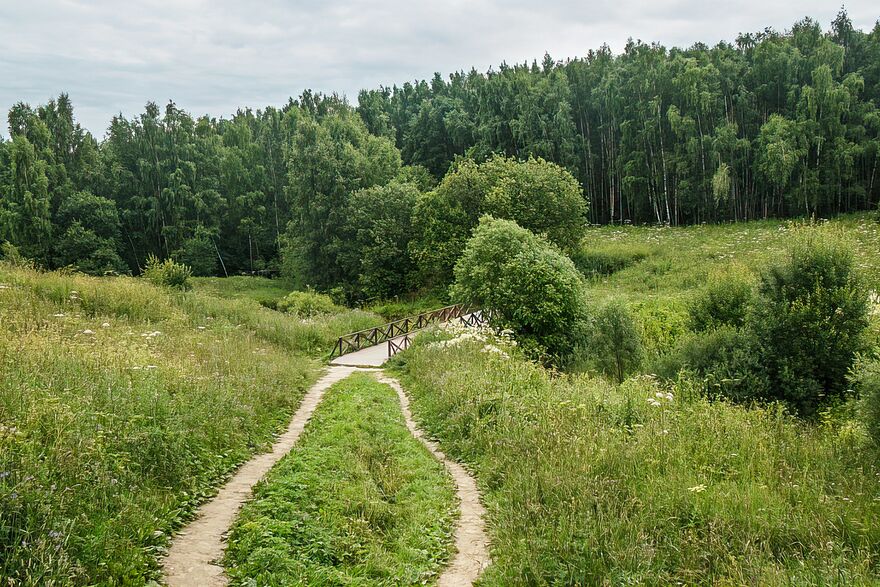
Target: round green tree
530,286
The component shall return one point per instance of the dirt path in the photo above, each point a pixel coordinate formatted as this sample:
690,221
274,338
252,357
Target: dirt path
471,542
192,560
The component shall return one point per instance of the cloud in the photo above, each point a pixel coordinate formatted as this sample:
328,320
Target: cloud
212,57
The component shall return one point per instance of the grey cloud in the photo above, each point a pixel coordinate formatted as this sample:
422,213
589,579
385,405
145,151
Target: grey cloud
213,56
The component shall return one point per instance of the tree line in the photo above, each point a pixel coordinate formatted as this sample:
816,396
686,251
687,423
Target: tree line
374,197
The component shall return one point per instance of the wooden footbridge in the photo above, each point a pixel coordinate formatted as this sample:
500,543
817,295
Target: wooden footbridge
363,348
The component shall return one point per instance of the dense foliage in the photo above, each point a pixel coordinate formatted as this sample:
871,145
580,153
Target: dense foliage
529,285
810,319
775,124
539,196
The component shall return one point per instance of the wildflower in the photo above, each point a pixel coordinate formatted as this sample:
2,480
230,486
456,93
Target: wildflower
105,325
4,474
491,348
88,332
653,402
697,488
58,315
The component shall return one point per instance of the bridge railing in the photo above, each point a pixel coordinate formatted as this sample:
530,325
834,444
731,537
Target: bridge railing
356,341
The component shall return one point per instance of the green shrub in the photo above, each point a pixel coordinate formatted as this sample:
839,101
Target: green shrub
10,254
598,260
535,290
723,359
616,342
723,301
810,319
307,304
168,273
866,380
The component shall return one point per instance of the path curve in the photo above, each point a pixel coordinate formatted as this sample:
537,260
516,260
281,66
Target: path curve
193,559
471,542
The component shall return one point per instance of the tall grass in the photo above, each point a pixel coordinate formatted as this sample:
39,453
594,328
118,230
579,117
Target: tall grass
358,501
588,483
123,405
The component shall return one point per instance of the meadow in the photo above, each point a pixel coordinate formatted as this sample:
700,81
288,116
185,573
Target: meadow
656,271
653,481
123,406
588,483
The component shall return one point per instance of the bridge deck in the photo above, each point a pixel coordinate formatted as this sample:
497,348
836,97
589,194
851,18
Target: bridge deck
374,356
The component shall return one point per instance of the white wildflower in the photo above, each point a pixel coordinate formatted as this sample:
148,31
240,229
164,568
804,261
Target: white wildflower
105,325
88,332
491,348
697,488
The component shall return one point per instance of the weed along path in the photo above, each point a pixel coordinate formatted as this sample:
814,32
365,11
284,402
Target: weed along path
194,557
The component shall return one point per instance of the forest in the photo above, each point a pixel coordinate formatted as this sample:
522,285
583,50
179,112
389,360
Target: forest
773,124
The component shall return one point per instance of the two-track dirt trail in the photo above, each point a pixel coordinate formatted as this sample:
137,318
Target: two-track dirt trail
193,559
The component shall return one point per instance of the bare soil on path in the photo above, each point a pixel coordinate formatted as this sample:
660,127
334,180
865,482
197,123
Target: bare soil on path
195,553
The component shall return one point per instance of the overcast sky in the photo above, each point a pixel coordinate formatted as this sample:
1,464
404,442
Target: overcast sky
213,56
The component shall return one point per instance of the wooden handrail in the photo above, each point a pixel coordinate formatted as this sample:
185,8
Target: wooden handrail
356,341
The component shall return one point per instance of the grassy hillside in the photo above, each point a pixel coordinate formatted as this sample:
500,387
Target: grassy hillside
650,482
664,263
589,483
656,271
358,501
122,405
